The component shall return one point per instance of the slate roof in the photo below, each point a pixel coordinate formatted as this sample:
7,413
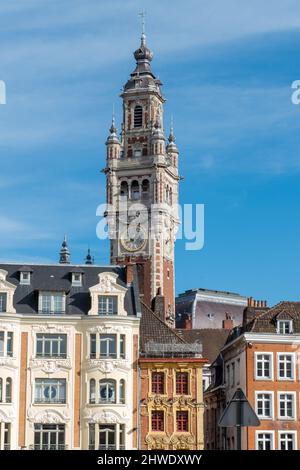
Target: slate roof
266,322
58,277
212,340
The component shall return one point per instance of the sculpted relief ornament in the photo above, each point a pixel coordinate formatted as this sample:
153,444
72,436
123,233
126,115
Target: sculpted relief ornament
48,416
50,366
105,416
107,366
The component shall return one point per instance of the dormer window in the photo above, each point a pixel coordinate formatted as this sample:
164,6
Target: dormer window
284,327
3,302
25,278
52,302
77,279
107,305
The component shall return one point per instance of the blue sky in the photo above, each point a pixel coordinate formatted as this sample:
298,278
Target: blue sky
227,69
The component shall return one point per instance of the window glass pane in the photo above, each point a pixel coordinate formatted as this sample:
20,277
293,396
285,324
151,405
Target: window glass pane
93,345
1,343
10,336
3,300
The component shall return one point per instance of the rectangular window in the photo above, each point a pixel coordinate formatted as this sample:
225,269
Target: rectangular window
122,346
182,383
107,437
107,305
93,346
158,382
263,366
182,421
25,278
7,429
49,437
284,327
287,441
76,279
233,374
92,435
3,301
108,346
264,405
52,303
286,405
157,421
264,441
9,346
2,336
51,345
285,366
50,391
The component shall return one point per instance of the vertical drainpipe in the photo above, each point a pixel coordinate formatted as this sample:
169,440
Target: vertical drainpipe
138,407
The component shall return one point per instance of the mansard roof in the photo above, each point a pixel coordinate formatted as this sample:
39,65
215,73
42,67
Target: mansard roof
212,340
58,277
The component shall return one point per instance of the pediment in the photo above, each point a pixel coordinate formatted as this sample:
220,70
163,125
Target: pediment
108,284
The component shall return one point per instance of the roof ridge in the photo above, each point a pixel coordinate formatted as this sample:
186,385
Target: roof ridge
164,323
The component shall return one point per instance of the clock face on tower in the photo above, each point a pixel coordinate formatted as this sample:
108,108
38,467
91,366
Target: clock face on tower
133,240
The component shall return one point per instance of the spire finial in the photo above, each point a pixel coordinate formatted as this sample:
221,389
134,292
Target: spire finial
64,254
142,14
172,136
88,258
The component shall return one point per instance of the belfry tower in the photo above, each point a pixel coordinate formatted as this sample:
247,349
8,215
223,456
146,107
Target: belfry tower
142,185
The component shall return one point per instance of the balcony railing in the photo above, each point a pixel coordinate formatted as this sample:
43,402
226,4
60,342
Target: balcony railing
51,356
106,447
49,447
50,400
6,446
51,312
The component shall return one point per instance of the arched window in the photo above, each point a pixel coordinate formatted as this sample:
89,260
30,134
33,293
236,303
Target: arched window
138,116
122,391
92,391
124,189
8,390
1,390
107,391
170,196
167,194
135,190
145,186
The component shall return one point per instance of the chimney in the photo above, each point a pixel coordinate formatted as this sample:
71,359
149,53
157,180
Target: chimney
187,322
158,304
129,273
228,322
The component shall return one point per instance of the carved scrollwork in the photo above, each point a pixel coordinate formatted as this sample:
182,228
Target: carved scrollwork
50,366
105,416
48,416
182,442
157,442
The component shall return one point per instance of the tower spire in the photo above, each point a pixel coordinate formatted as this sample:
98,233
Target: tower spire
142,15
88,258
64,254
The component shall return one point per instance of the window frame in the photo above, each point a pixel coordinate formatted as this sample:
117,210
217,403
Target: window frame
76,283
46,382
294,406
23,280
107,383
272,434
271,394
290,322
108,338
288,431
44,341
107,299
187,382
264,353
3,305
158,383
293,367
52,295
185,413
158,412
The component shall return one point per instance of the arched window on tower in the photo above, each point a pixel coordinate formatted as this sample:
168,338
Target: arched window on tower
170,196
138,116
167,194
124,189
145,188
135,190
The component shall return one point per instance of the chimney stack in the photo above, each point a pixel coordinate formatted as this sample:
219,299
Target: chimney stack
158,304
228,322
188,322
